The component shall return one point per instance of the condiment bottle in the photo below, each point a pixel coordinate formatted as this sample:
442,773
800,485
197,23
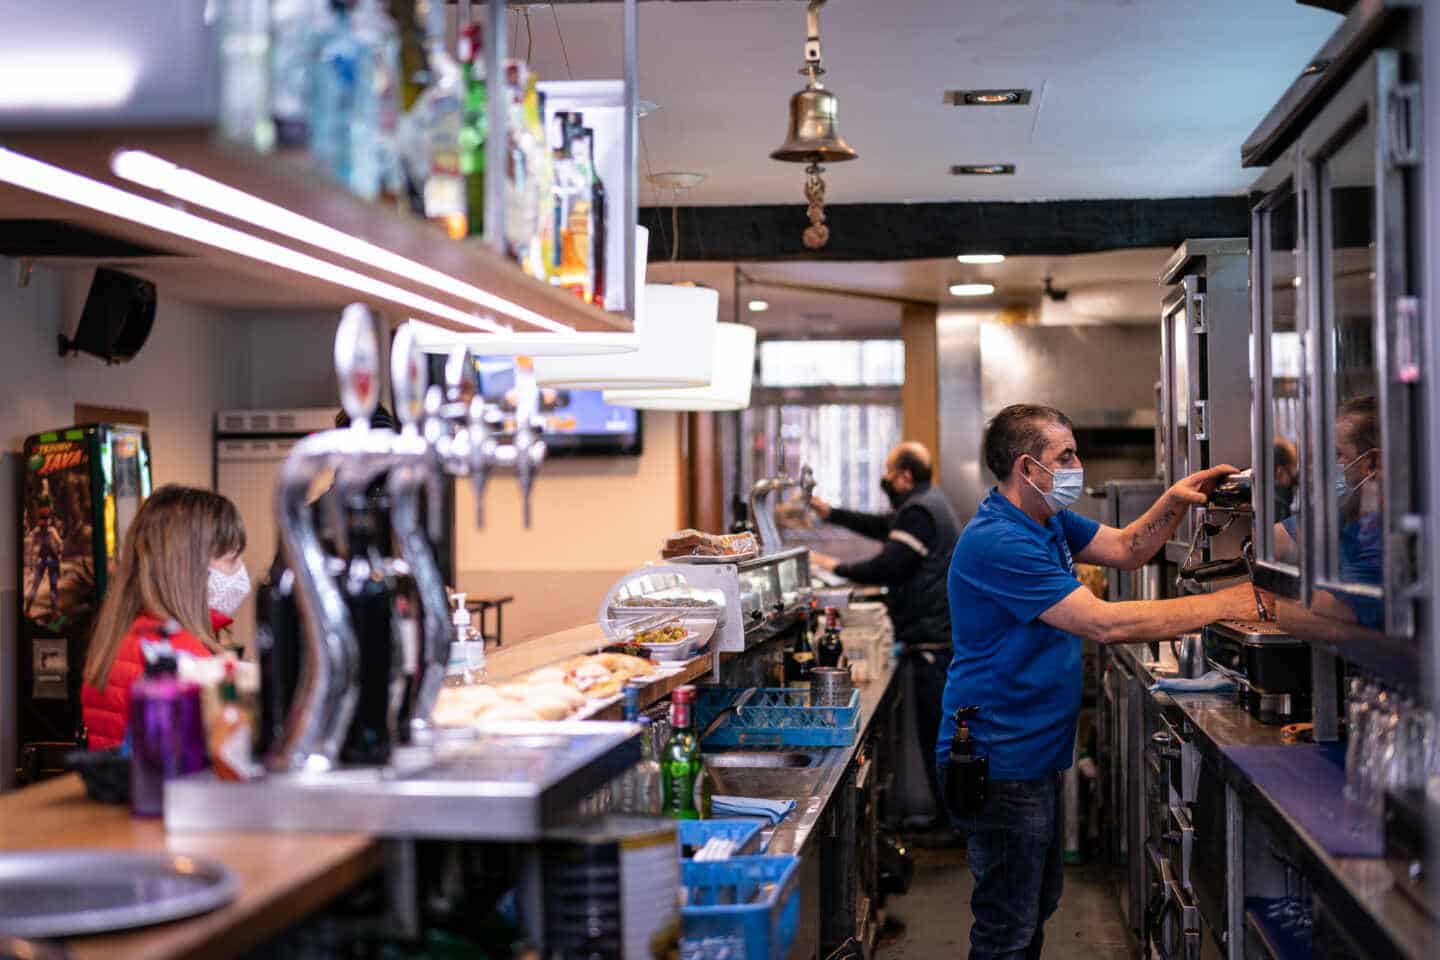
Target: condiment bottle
232,739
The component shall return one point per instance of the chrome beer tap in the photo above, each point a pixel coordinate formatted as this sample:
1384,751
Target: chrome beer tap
762,505
417,472
529,447
328,686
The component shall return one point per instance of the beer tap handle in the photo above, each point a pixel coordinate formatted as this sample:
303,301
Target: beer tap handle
407,381
529,448
357,364
480,432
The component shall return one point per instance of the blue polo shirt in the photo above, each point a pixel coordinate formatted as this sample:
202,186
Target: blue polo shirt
1022,673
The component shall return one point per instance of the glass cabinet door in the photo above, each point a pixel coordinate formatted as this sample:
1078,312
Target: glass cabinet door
1355,205
1178,394
1277,364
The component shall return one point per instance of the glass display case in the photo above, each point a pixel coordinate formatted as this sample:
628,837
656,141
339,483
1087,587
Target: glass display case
1362,556
1337,226
1205,397
1280,453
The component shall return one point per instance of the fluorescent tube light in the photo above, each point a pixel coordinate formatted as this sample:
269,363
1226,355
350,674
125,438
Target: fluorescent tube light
39,177
981,258
159,174
971,289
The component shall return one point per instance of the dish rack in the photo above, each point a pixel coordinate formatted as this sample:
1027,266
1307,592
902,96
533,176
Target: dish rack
777,717
742,907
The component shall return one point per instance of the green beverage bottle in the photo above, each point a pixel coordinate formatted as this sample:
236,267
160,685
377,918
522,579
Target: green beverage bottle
681,766
475,128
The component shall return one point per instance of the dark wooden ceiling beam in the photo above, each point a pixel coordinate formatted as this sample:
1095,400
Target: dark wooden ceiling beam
917,231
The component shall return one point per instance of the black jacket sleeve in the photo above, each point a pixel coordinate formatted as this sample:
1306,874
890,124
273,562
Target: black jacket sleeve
907,543
876,526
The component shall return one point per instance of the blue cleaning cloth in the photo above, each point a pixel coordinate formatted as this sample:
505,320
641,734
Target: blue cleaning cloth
1212,682
772,810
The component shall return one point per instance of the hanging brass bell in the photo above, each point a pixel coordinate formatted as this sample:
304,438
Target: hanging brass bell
813,137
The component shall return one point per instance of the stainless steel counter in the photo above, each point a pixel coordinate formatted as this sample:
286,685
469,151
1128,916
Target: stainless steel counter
1389,922
810,787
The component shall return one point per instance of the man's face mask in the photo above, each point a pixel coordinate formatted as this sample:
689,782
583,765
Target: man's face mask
1066,488
893,495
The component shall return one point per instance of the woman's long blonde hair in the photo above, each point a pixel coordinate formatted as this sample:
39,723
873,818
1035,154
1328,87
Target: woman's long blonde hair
163,570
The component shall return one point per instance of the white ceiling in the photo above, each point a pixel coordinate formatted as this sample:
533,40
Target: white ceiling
1132,98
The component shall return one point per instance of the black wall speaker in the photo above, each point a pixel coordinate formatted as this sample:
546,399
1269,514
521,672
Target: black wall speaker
119,312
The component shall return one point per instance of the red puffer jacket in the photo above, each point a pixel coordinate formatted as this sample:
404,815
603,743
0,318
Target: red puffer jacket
107,712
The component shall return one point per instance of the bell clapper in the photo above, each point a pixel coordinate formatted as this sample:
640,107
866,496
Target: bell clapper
817,234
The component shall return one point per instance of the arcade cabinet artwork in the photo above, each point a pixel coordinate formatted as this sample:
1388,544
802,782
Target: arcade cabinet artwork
81,488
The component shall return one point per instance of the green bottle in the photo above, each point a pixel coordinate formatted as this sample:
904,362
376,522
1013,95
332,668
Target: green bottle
475,128
681,767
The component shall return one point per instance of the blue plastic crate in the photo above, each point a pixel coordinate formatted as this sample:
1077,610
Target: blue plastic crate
691,835
744,908
777,717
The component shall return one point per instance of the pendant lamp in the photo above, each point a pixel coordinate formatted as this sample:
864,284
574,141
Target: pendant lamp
676,327
729,388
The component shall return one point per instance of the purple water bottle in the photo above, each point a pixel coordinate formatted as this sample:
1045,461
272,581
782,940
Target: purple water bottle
167,732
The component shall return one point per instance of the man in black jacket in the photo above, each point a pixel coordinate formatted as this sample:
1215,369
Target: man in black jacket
918,538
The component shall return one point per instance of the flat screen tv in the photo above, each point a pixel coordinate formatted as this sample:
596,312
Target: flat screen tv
578,423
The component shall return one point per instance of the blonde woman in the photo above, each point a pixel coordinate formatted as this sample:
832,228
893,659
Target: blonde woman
181,562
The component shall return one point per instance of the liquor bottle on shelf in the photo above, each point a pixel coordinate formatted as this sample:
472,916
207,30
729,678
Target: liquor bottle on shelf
540,257
829,651
295,28
352,104
572,182
245,114
681,765
595,290
520,150
475,128
411,18
432,138
638,790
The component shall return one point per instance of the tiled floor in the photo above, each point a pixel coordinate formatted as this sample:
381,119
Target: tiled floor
936,913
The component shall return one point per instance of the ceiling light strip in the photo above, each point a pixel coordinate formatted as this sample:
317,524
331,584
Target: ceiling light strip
159,174
40,177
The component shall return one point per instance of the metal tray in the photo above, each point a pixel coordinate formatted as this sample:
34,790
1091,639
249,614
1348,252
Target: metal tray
69,893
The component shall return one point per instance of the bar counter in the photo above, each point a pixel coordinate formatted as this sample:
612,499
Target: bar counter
282,876
1389,922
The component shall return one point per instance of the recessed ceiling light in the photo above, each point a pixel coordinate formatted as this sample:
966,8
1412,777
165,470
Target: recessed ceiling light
1003,97
758,306
981,169
971,289
980,258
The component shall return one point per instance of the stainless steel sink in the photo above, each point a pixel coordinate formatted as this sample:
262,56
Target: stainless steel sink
761,758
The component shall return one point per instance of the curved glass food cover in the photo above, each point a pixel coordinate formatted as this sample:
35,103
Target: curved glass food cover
656,590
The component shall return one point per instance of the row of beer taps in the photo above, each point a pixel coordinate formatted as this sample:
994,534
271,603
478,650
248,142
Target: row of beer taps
446,429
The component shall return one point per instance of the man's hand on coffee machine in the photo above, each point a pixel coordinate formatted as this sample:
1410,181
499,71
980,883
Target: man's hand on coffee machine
1240,602
1195,489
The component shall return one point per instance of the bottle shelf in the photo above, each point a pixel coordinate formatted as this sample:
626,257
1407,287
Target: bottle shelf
60,225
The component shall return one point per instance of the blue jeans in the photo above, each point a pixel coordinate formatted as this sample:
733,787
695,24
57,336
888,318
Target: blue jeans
1015,847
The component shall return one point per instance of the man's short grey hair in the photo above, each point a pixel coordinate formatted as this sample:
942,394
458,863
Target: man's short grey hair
1018,430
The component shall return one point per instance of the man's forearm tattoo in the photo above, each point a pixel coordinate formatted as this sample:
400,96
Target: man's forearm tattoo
1142,536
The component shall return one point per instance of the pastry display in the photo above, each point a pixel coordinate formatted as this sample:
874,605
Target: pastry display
549,693
695,543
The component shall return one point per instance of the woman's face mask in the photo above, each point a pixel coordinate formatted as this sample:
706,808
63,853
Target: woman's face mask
225,592
1068,484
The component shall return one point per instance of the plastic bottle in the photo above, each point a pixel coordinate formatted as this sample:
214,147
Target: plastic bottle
232,739
166,729
467,650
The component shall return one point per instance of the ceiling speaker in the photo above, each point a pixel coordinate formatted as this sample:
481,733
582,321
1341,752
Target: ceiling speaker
119,312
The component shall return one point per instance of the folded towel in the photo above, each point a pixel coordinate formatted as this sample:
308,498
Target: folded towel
772,810
1212,682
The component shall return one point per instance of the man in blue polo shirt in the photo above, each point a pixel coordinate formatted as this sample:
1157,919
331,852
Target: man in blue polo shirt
1018,616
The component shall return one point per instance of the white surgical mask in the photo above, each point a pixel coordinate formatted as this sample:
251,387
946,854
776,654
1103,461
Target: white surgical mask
1069,484
225,592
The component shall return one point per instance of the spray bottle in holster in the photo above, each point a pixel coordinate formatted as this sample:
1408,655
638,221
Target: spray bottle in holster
967,779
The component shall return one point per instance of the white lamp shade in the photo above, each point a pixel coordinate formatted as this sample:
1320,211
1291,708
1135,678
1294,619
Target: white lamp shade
436,339
729,389
676,326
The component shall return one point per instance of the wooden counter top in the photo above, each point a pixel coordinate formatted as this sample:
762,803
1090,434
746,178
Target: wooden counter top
282,876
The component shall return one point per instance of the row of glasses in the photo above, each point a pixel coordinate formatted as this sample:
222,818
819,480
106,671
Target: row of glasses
1393,744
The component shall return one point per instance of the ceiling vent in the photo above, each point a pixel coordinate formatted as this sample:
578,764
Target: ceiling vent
982,169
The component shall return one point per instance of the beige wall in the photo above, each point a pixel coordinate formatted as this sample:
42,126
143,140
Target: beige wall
594,519
176,379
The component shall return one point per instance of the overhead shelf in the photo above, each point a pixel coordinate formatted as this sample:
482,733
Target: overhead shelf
207,271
